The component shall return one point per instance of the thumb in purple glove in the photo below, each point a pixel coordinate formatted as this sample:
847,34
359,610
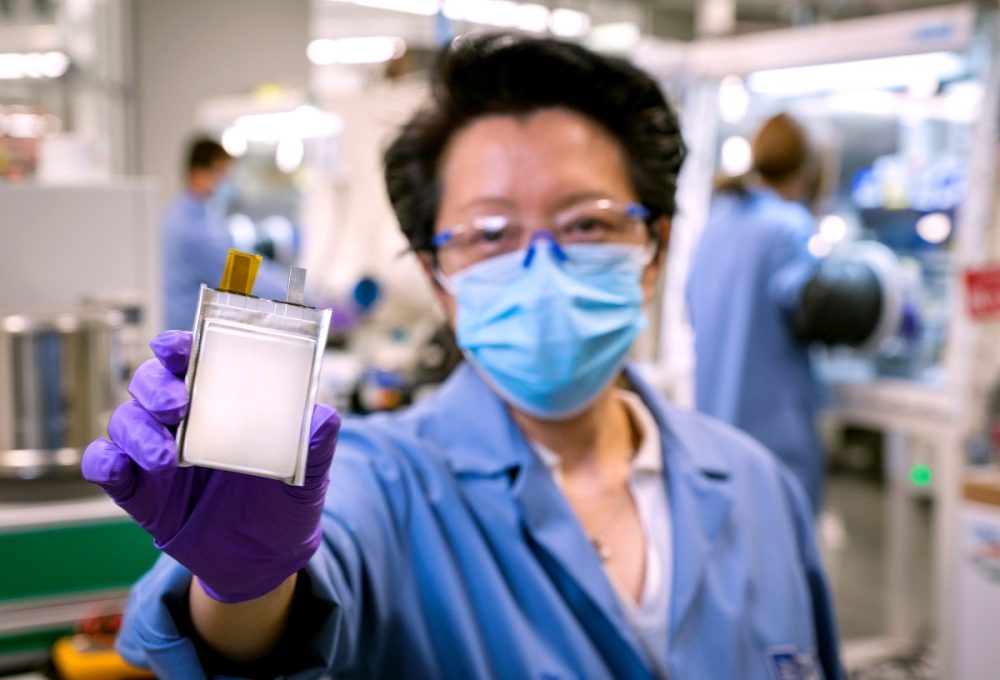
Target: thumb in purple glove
242,536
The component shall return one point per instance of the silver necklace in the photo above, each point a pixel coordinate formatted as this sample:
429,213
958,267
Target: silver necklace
597,538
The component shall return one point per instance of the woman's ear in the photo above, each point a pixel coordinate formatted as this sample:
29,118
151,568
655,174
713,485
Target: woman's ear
650,277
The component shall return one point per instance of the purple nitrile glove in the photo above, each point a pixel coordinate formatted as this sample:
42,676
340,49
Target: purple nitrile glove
242,536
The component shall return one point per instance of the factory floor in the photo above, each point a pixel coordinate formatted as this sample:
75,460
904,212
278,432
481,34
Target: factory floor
854,532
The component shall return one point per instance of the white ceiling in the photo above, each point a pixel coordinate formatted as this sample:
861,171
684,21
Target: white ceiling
662,18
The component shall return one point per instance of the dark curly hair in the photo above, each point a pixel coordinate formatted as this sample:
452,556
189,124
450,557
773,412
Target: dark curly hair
506,73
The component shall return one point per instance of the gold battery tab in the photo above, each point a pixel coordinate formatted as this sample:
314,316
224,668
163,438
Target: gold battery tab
241,270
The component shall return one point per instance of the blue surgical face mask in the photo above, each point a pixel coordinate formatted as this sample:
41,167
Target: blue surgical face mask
550,327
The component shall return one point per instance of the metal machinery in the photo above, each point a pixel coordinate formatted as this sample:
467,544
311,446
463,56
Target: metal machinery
68,555
79,301
904,110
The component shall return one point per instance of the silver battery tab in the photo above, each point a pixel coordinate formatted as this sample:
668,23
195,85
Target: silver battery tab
296,286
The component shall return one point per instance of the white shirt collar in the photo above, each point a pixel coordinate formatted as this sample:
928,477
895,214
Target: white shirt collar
648,459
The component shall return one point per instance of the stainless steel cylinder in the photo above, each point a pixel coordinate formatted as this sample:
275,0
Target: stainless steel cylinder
61,375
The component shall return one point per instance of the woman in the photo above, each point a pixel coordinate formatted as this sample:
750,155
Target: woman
752,367
544,514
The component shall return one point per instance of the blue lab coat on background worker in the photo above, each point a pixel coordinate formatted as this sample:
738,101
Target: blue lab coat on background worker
747,276
195,241
449,552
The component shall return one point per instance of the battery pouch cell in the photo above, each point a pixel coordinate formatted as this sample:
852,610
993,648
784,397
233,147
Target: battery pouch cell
252,381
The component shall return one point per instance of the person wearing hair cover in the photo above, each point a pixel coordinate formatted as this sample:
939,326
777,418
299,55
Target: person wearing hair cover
545,513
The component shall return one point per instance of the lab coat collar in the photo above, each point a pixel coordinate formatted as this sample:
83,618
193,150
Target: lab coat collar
680,439
474,427
489,441
649,458
699,491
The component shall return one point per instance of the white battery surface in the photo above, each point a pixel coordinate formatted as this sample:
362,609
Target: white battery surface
248,404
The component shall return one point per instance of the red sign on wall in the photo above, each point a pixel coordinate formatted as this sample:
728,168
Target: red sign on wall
982,293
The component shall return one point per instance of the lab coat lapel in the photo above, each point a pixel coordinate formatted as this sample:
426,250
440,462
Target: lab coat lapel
480,438
699,507
569,558
699,492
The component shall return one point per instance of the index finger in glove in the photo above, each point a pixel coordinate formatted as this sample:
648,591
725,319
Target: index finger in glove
173,349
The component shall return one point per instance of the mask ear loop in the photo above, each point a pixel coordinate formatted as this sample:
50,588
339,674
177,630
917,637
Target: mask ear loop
432,264
652,252
554,248
656,241
443,281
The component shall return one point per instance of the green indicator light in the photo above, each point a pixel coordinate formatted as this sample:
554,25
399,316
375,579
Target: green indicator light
920,475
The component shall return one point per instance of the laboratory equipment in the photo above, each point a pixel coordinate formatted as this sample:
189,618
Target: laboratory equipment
993,421
978,577
855,298
134,341
890,103
62,374
93,657
903,110
66,550
69,553
69,242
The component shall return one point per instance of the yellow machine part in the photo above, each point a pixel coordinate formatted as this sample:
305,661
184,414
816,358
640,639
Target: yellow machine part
93,657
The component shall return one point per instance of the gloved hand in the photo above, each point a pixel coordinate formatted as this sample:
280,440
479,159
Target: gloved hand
242,536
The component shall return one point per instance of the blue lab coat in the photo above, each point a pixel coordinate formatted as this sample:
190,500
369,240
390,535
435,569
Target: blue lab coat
449,552
195,242
747,275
